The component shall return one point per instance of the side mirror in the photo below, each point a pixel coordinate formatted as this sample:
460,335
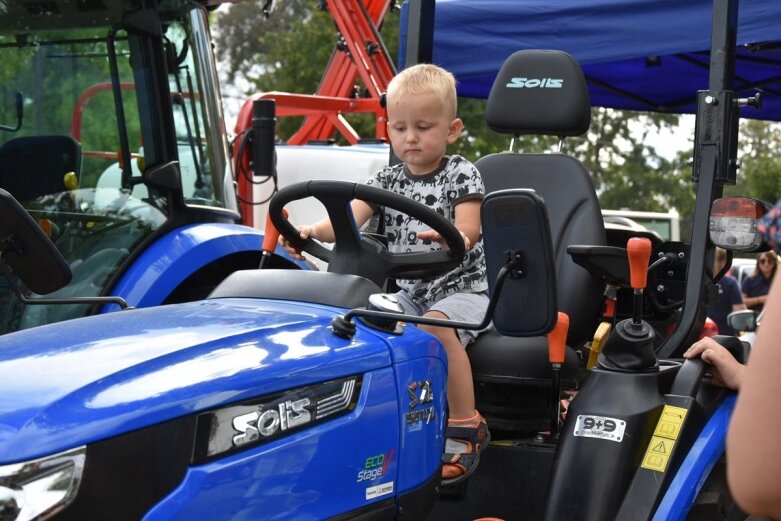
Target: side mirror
520,268
745,320
29,253
733,224
515,227
166,176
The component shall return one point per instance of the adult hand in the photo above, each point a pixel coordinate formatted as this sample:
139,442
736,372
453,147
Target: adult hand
726,371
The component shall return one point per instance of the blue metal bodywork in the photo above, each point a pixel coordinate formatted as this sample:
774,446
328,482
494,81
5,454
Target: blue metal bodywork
707,449
85,380
180,253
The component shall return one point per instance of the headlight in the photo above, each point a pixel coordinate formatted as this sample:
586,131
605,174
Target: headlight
40,488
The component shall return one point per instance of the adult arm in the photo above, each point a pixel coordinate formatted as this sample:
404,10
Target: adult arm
753,441
754,301
749,289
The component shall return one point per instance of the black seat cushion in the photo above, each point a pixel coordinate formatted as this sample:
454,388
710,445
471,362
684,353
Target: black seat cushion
518,360
513,381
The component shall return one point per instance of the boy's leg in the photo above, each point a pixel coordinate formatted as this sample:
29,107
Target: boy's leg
460,389
467,433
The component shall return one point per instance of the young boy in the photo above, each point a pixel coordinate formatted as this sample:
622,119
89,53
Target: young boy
422,121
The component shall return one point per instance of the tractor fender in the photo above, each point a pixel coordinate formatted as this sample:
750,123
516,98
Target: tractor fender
180,253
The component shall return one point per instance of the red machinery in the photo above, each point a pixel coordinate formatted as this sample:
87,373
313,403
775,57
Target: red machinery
363,55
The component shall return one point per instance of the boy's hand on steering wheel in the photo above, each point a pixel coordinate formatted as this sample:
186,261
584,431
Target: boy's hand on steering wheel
305,231
431,235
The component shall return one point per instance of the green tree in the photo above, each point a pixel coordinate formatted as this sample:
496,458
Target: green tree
288,52
627,171
761,161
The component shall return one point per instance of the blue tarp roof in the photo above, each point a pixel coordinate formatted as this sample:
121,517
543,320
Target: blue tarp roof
636,54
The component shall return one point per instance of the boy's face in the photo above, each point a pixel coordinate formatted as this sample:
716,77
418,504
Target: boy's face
420,129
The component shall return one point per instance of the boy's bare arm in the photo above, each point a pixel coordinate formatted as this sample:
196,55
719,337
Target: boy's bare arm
467,222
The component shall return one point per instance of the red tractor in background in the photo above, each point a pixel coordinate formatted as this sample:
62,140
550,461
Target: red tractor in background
360,54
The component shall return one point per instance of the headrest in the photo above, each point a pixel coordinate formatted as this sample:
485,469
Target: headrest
539,92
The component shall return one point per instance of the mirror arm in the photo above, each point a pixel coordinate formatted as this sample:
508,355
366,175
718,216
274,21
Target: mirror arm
344,327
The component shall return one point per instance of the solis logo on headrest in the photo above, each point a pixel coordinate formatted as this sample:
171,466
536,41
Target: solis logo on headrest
535,83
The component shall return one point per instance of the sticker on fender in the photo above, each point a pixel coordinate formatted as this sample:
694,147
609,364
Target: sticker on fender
382,489
601,427
663,440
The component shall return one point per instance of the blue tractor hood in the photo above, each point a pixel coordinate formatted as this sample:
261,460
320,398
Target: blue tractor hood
72,383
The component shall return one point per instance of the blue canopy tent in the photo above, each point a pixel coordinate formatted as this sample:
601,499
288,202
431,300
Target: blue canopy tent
650,55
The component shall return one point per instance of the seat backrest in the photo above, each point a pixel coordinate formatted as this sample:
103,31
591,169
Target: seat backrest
544,92
36,165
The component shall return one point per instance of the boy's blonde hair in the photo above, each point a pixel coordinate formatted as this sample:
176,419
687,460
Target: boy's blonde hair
426,78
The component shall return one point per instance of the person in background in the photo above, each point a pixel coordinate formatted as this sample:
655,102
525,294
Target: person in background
756,287
729,298
422,122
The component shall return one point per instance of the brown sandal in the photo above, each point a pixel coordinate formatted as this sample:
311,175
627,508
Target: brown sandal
474,439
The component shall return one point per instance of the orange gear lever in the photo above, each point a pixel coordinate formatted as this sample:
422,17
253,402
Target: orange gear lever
557,344
270,238
557,339
639,251
271,234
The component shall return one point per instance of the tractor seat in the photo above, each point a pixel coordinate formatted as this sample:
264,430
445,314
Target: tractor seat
33,166
544,93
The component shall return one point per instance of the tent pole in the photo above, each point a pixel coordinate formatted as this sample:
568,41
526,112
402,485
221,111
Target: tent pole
715,152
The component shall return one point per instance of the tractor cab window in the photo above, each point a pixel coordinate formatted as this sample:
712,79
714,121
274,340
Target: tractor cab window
85,112
200,134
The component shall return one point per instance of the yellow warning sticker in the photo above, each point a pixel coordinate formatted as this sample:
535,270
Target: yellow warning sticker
666,433
670,422
658,454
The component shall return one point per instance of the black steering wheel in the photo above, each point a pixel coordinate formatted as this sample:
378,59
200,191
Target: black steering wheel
358,255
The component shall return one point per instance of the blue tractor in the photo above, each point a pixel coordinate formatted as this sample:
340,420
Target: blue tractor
112,138
300,394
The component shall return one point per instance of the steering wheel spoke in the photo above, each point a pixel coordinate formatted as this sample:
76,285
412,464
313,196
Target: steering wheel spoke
355,254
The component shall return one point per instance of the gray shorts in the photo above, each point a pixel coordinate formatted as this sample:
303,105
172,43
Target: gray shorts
462,307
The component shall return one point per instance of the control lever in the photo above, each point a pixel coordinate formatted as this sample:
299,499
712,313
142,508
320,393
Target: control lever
557,343
639,251
270,239
630,347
